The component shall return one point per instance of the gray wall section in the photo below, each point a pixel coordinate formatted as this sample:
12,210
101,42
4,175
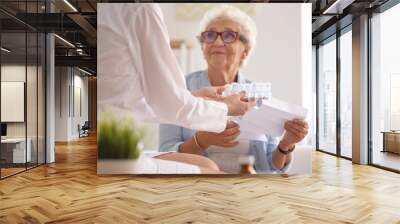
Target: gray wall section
71,102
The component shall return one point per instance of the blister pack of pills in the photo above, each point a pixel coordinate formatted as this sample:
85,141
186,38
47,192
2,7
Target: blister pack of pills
257,91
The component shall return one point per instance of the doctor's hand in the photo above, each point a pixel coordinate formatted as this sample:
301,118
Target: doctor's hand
237,105
209,92
295,131
224,139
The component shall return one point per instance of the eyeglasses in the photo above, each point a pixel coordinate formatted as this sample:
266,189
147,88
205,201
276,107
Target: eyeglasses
227,37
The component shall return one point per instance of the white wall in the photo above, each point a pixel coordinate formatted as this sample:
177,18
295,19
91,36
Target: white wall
33,127
68,82
14,73
80,83
61,103
17,73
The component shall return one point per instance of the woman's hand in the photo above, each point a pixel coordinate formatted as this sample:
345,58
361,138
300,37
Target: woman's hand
295,131
224,139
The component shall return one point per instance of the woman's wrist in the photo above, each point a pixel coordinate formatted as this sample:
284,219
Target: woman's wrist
285,146
286,152
199,140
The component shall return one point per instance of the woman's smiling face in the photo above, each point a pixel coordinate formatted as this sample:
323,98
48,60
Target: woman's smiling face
220,54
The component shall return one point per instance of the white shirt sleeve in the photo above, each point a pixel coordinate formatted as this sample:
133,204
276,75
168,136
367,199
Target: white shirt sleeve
163,82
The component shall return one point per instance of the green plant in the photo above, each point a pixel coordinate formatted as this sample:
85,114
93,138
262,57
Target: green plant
118,139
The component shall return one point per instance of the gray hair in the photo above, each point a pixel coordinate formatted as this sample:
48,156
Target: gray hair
248,30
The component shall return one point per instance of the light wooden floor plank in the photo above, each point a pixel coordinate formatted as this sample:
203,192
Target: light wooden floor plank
70,191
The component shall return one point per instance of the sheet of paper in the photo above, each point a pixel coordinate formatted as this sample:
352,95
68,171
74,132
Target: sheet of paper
246,135
268,119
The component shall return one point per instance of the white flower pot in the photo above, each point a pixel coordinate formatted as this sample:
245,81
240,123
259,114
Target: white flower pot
144,165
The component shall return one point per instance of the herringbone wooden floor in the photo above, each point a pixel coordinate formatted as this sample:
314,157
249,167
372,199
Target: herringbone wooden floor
69,191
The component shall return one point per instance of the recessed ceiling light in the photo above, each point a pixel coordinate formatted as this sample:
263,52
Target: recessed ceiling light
5,50
70,5
84,71
64,40
337,7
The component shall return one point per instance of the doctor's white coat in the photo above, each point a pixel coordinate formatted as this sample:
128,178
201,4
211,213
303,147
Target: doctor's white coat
138,73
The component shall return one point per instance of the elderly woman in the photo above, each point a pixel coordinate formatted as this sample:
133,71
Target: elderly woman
227,39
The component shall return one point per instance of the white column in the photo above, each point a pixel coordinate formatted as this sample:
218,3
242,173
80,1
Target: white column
50,99
360,90
50,92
